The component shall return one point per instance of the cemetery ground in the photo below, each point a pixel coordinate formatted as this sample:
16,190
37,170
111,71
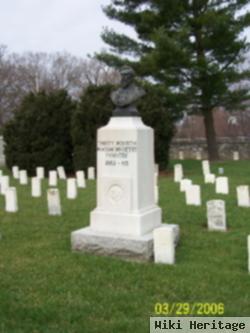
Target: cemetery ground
45,288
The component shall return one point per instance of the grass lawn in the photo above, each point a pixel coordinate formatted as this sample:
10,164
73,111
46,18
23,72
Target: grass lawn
45,288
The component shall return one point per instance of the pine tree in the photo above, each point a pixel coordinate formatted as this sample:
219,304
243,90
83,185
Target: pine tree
39,132
193,48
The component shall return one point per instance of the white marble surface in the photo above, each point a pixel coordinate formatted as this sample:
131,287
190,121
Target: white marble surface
91,173
71,188
184,184
125,179
216,215
164,244
36,190
243,198
178,173
11,204
193,195
222,185
15,171
4,184
40,172
52,178
23,177
54,202
61,172
80,179
209,178
205,167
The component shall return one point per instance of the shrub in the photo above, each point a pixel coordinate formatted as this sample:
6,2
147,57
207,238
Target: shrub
39,133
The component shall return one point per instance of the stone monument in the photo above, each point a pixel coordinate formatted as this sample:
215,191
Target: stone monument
122,224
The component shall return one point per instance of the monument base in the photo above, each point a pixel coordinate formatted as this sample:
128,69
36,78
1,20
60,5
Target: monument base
134,248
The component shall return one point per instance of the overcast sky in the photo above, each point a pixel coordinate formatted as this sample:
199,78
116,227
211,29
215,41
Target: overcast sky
55,25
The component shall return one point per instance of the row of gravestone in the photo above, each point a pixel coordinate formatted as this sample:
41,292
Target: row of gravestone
198,155
216,210
53,195
193,192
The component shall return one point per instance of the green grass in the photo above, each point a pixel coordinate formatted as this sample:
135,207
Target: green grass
45,288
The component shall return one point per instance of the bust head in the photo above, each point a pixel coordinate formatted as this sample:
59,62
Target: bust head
127,76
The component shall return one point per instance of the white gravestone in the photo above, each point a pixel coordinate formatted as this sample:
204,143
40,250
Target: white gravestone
248,247
36,190
243,198
157,169
198,155
61,172
205,167
91,173
156,188
23,177
184,184
11,200
156,178
209,178
221,171
4,184
181,155
178,173
71,188
164,244
156,194
126,213
193,195
15,171
40,172
80,179
54,203
221,185
236,156
52,178
216,215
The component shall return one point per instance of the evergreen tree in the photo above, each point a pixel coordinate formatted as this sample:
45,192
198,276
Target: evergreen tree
39,133
193,48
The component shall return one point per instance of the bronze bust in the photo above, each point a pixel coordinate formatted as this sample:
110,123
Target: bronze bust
127,95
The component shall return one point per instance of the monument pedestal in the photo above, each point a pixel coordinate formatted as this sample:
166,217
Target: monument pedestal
126,214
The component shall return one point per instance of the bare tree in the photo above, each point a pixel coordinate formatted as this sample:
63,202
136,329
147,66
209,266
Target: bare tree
33,72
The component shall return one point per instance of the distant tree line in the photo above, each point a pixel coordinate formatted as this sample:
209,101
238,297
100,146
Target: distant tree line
21,74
